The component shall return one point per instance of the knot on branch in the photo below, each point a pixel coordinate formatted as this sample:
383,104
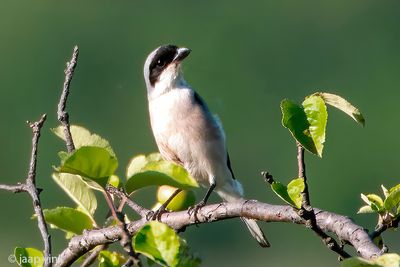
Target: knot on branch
37,125
63,116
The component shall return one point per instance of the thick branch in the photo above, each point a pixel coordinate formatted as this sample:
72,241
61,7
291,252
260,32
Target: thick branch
340,225
62,114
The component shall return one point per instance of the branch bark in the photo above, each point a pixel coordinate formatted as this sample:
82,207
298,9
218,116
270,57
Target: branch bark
341,226
62,114
30,187
307,212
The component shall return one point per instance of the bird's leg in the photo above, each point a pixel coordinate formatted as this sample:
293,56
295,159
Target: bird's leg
193,210
156,215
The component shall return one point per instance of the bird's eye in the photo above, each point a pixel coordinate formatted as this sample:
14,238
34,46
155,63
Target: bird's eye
160,63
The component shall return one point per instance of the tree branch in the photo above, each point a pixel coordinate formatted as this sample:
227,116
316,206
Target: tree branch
125,198
90,259
18,188
307,212
62,114
126,238
30,187
340,225
63,117
34,192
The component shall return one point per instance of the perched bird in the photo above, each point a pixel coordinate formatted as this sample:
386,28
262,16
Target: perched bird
187,133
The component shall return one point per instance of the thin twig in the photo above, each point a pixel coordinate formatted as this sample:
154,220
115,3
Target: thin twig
126,237
124,197
30,187
18,188
34,192
156,215
63,117
341,226
302,174
62,114
307,212
93,255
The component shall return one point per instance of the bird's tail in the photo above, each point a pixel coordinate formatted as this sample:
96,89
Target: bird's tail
235,193
256,232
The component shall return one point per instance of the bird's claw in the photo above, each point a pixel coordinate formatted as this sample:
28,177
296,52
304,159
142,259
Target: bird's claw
155,215
195,209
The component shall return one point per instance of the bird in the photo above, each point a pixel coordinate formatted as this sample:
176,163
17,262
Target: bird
187,133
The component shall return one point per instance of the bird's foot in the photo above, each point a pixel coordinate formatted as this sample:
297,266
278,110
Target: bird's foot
156,215
195,209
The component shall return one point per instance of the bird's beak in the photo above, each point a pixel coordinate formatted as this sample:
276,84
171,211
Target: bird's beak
181,54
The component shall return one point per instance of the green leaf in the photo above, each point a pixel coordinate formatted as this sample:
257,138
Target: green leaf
94,163
111,259
158,242
83,137
68,219
295,119
365,199
291,193
376,202
386,260
394,188
393,200
365,209
78,191
282,192
150,170
28,257
343,105
115,181
385,191
317,117
294,189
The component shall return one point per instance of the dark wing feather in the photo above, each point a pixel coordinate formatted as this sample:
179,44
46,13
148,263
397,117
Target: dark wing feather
229,165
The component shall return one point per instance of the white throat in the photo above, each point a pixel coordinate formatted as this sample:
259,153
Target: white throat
170,79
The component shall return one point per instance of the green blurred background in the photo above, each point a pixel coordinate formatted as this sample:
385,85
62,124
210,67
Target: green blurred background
246,58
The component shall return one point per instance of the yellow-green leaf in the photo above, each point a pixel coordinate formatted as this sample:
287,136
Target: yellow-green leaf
68,219
158,242
343,105
317,117
151,170
111,259
365,209
83,137
28,257
78,191
295,188
295,120
386,260
393,200
94,163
